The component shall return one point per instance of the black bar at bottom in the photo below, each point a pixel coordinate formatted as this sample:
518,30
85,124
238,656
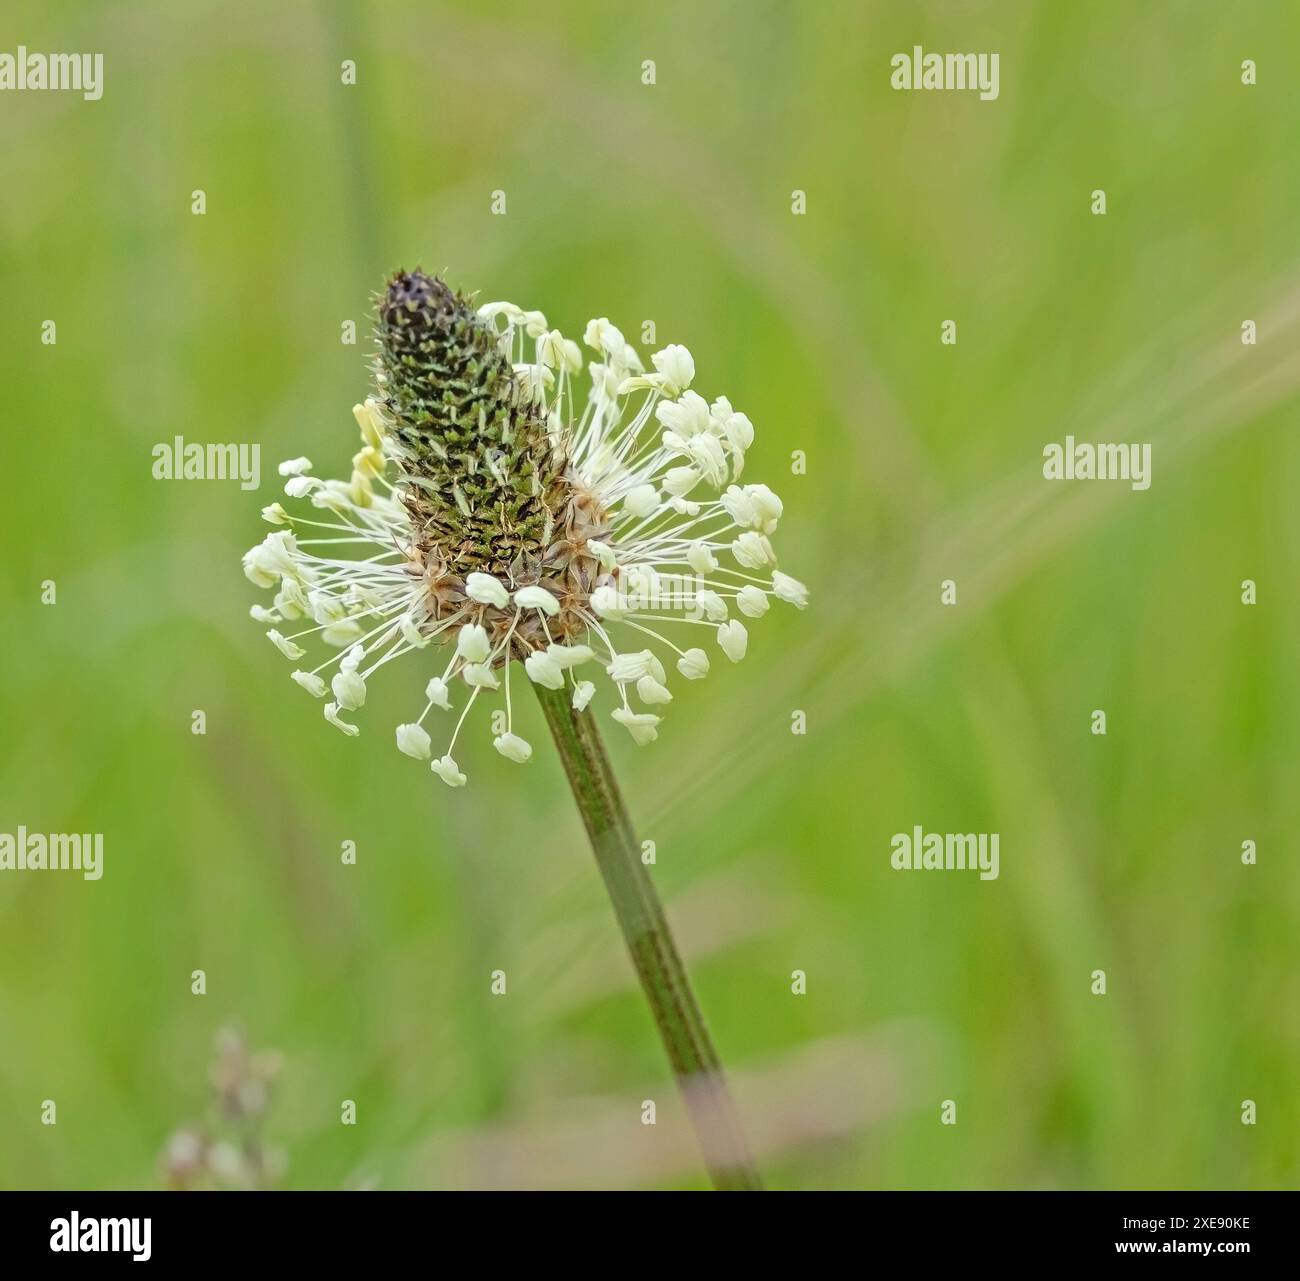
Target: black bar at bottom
341,1229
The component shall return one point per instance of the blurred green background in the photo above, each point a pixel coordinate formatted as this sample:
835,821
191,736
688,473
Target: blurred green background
672,202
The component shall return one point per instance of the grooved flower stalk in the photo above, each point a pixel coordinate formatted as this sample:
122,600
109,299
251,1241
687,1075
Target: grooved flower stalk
650,943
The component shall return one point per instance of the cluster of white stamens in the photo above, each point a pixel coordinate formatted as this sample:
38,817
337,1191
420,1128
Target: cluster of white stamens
643,445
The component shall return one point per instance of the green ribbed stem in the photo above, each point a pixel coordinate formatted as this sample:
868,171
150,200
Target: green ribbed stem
650,943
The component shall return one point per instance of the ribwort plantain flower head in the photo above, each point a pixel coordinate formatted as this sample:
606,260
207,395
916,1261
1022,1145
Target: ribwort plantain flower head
513,502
